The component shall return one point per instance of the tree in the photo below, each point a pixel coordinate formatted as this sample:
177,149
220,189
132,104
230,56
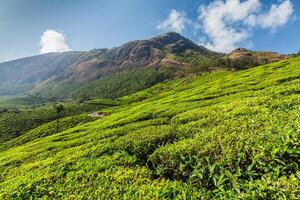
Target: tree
4,110
58,108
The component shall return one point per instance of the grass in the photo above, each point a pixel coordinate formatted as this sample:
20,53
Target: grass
223,135
48,129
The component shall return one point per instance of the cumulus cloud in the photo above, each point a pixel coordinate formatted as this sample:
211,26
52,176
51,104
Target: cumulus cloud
277,16
228,24
53,41
176,21
224,22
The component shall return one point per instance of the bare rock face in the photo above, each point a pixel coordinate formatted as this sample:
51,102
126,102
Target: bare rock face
151,51
140,53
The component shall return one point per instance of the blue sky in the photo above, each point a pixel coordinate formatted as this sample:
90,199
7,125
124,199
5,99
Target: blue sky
89,24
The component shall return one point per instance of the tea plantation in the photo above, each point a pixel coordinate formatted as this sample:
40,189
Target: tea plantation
14,123
222,135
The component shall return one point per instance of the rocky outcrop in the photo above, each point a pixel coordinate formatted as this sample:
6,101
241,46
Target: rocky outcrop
257,57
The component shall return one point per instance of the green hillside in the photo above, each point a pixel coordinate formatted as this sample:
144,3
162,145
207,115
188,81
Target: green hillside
19,76
109,87
14,123
222,135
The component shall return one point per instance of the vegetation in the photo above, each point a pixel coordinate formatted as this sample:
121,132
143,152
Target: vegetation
222,135
13,89
294,54
236,60
47,129
16,122
58,108
120,84
22,102
58,91
198,64
20,76
108,87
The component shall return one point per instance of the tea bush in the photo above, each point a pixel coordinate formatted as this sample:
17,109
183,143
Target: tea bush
221,135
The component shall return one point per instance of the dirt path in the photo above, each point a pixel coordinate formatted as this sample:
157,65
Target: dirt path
97,114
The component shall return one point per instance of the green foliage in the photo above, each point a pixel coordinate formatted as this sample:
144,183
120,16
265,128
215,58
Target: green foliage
47,129
223,135
244,63
108,87
58,108
59,90
14,123
200,64
22,102
13,89
294,54
120,84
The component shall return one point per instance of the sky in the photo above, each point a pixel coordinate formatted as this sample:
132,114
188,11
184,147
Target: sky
32,27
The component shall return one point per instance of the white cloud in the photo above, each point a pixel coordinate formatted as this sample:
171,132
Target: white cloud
277,16
53,41
228,24
176,21
223,23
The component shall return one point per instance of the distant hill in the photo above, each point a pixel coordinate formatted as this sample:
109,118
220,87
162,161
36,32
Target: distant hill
82,67
22,75
38,68
135,54
61,74
254,58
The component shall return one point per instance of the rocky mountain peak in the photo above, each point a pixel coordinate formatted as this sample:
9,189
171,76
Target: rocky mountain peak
152,51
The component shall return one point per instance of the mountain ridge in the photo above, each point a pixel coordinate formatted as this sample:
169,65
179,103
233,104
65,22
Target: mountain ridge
171,49
86,66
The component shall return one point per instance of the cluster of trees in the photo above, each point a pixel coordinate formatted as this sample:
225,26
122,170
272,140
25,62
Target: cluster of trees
108,87
295,54
3,110
198,64
120,84
58,109
16,122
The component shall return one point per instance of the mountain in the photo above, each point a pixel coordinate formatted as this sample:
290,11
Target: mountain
23,74
151,52
83,67
59,75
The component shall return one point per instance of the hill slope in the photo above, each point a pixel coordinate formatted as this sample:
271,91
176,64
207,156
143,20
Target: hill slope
253,58
22,75
46,70
220,135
